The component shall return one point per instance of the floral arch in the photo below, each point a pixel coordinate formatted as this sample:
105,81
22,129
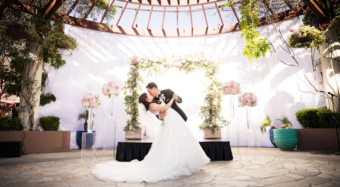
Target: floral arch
211,109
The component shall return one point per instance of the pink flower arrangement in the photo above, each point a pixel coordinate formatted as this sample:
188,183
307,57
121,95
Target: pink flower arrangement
135,59
91,101
247,99
111,89
292,30
231,88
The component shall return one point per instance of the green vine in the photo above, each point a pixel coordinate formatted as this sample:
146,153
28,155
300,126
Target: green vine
198,61
255,46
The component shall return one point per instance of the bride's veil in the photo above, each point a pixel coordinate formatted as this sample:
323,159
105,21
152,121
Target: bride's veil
148,120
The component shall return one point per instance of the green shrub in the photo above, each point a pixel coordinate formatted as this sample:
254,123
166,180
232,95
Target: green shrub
49,123
315,118
327,118
46,99
13,124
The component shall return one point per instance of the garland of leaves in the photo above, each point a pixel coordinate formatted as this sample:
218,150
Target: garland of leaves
210,112
255,47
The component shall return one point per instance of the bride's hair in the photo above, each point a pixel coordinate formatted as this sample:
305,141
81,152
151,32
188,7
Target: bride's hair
142,99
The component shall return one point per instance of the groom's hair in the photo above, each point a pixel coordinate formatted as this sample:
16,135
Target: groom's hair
151,85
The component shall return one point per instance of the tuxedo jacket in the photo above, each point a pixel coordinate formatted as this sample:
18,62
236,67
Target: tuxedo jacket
168,94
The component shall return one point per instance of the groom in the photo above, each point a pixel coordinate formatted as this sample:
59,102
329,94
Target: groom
166,96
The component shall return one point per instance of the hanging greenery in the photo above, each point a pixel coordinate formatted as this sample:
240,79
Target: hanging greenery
305,37
255,46
47,99
210,112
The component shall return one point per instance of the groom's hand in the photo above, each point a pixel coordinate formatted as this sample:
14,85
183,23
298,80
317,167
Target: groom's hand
162,115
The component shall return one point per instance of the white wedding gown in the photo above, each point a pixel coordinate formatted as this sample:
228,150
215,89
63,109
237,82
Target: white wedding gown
175,152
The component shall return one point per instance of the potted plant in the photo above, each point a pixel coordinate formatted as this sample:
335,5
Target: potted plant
286,136
49,123
305,37
267,122
319,130
84,116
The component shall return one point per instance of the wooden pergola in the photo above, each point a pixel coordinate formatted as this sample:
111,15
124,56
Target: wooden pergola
152,6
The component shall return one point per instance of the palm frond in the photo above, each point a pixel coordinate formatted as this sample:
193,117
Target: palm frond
265,124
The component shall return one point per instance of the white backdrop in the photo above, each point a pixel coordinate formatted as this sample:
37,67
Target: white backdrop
103,57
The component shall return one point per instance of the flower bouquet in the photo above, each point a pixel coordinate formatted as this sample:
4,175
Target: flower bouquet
250,100
90,101
231,88
111,89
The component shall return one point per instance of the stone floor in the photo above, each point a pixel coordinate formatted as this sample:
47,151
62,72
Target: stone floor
250,167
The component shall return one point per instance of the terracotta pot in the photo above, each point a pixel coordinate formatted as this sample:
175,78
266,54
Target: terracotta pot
136,134
208,134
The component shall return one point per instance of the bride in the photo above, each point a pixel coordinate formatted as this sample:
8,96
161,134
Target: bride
175,152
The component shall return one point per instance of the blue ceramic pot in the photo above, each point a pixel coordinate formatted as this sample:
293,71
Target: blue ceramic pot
89,139
286,139
271,137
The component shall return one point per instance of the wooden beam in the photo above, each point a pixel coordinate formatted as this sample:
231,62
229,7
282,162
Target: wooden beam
192,24
206,20
56,6
318,7
219,13
48,7
72,7
135,16
169,2
265,2
163,19
140,1
226,28
233,8
289,4
120,17
177,22
90,9
159,2
164,34
136,32
188,2
205,16
149,1
147,27
107,10
178,2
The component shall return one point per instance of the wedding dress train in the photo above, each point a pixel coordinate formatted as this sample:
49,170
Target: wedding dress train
175,152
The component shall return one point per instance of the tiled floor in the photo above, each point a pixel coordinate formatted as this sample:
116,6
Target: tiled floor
250,167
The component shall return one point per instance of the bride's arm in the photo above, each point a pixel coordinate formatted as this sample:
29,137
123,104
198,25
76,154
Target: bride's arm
156,107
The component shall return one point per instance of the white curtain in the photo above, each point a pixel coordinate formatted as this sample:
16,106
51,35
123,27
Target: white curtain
103,57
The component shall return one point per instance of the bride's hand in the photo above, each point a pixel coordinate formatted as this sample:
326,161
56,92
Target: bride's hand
174,96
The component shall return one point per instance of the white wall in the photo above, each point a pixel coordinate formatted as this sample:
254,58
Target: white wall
103,57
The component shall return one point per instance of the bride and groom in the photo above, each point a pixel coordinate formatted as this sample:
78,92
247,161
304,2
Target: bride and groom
175,152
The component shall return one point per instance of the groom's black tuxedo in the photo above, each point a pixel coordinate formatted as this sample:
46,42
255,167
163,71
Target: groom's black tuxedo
168,94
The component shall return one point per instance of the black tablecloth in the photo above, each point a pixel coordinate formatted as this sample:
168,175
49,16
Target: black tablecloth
215,150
